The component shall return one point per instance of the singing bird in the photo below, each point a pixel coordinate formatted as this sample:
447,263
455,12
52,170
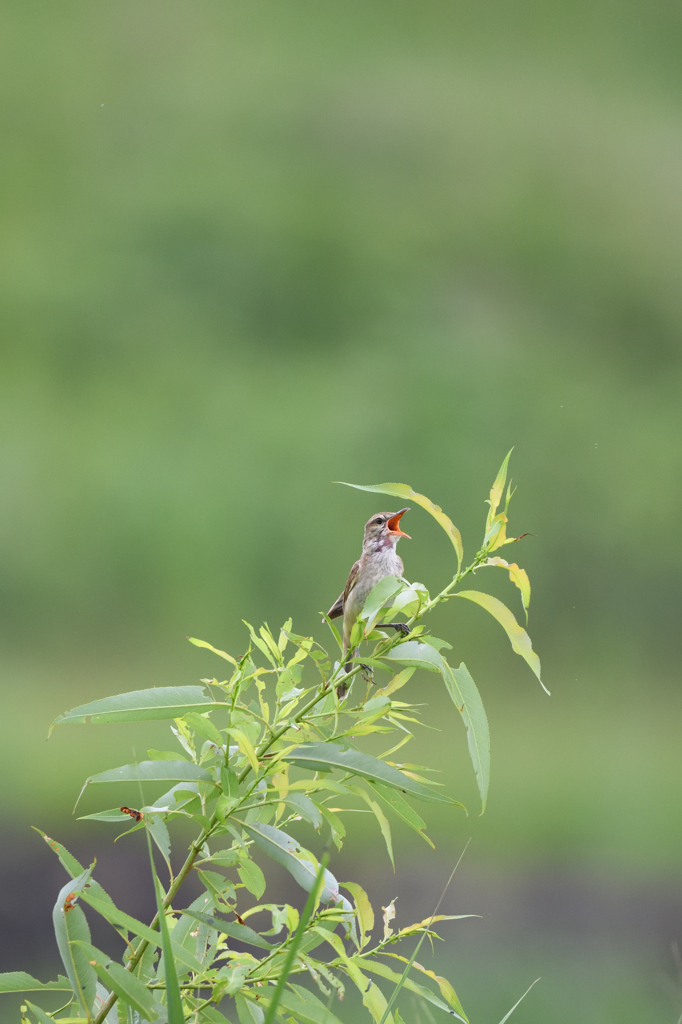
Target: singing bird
379,558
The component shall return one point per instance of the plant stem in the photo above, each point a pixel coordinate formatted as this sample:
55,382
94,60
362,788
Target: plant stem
197,845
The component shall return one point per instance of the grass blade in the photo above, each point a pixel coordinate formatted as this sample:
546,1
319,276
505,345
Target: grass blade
176,1013
403,977
508,1015
296,941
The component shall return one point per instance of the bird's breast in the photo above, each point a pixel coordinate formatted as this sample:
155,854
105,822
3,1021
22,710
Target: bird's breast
371,571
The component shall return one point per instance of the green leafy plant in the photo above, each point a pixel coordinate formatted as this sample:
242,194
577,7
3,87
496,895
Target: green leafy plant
259,751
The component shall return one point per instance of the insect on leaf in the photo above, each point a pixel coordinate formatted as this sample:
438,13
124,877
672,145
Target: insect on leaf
70,924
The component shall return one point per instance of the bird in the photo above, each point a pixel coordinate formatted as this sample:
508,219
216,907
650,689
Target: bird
379,559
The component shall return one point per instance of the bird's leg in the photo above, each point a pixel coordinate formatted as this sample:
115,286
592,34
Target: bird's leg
366,671
401,627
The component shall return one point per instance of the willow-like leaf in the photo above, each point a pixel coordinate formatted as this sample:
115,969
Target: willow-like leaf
405,491
519,639
140,706
325,756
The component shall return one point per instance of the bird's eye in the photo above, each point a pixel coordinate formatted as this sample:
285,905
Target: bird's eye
378,521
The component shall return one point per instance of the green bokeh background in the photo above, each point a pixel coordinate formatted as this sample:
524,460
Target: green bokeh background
251,248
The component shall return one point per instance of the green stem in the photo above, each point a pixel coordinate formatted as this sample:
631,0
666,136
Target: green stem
197,845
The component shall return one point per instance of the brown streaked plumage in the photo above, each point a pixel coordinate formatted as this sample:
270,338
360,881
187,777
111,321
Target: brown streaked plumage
378,559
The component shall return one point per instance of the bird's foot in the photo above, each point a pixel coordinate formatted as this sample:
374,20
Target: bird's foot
400,627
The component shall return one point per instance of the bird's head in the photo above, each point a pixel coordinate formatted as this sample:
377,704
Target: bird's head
383,529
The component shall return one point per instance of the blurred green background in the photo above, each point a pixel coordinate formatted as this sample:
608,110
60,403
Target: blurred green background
249,249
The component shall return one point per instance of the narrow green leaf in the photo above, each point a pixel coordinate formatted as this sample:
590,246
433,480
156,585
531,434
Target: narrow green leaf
140,706
245,747
467,700
308,1009
325,756
385,589
404,810
151,771
159,833
376,967
260,644
114,814
405,491
497,490
124,983
518,637
204,727
41,1016
176,1013
165,755
225,858
508,1015
70,924
209,647
66,859
298,861
415,653
338,829
20,981
363,908
310,903
304,806
410,962
233,929
120,919
381,818
252,877
446,989
518,576
248,1012
229,782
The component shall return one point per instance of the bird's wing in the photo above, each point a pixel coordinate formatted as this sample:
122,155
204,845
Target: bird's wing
337,608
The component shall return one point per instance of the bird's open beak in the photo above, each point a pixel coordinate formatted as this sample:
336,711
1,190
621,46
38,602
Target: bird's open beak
393,524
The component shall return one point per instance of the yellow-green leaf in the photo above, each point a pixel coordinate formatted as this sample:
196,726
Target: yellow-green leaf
405,491
246,747
210,647
518,637
518,576
497,489
364,909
